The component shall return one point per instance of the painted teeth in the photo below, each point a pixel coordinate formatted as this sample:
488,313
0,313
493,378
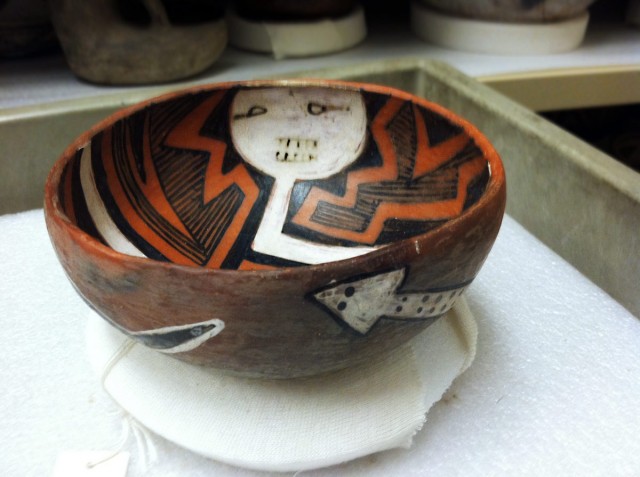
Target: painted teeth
296,149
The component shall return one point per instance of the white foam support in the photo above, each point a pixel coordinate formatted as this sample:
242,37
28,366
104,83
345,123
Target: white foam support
299,38
498,38
554,388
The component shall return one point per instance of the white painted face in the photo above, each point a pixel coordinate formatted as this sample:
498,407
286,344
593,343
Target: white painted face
298,133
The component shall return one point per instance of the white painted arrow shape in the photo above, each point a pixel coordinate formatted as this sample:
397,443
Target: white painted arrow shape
362,302
177,339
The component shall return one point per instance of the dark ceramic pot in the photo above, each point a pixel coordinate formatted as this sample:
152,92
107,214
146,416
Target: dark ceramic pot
276,229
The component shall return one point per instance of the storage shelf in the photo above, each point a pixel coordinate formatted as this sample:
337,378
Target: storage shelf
33,82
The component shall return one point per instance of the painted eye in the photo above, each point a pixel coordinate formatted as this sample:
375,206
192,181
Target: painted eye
256,111
316,109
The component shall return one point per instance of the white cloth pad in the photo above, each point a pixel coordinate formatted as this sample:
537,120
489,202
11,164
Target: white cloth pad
286,425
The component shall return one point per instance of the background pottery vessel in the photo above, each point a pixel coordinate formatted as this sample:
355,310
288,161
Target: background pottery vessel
139,41
276,229
512,10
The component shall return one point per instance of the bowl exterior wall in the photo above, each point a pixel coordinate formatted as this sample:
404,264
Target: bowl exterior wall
273,326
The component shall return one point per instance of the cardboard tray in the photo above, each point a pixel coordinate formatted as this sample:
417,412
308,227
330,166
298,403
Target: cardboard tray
582,203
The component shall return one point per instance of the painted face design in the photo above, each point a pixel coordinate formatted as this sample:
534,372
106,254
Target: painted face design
297,134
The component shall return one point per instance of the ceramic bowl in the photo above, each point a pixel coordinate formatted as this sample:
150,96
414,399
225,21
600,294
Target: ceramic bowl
276,228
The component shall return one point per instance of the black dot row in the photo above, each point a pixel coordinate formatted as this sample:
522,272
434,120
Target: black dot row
343,306
350,291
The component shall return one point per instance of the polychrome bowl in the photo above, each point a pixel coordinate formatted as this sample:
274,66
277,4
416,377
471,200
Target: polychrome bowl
276,228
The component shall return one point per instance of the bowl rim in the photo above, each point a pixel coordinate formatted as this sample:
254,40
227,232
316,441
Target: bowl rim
53,208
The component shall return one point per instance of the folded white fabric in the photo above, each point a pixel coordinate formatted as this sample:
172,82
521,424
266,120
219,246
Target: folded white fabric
285,425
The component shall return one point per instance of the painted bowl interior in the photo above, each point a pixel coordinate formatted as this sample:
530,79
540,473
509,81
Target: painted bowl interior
266,176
